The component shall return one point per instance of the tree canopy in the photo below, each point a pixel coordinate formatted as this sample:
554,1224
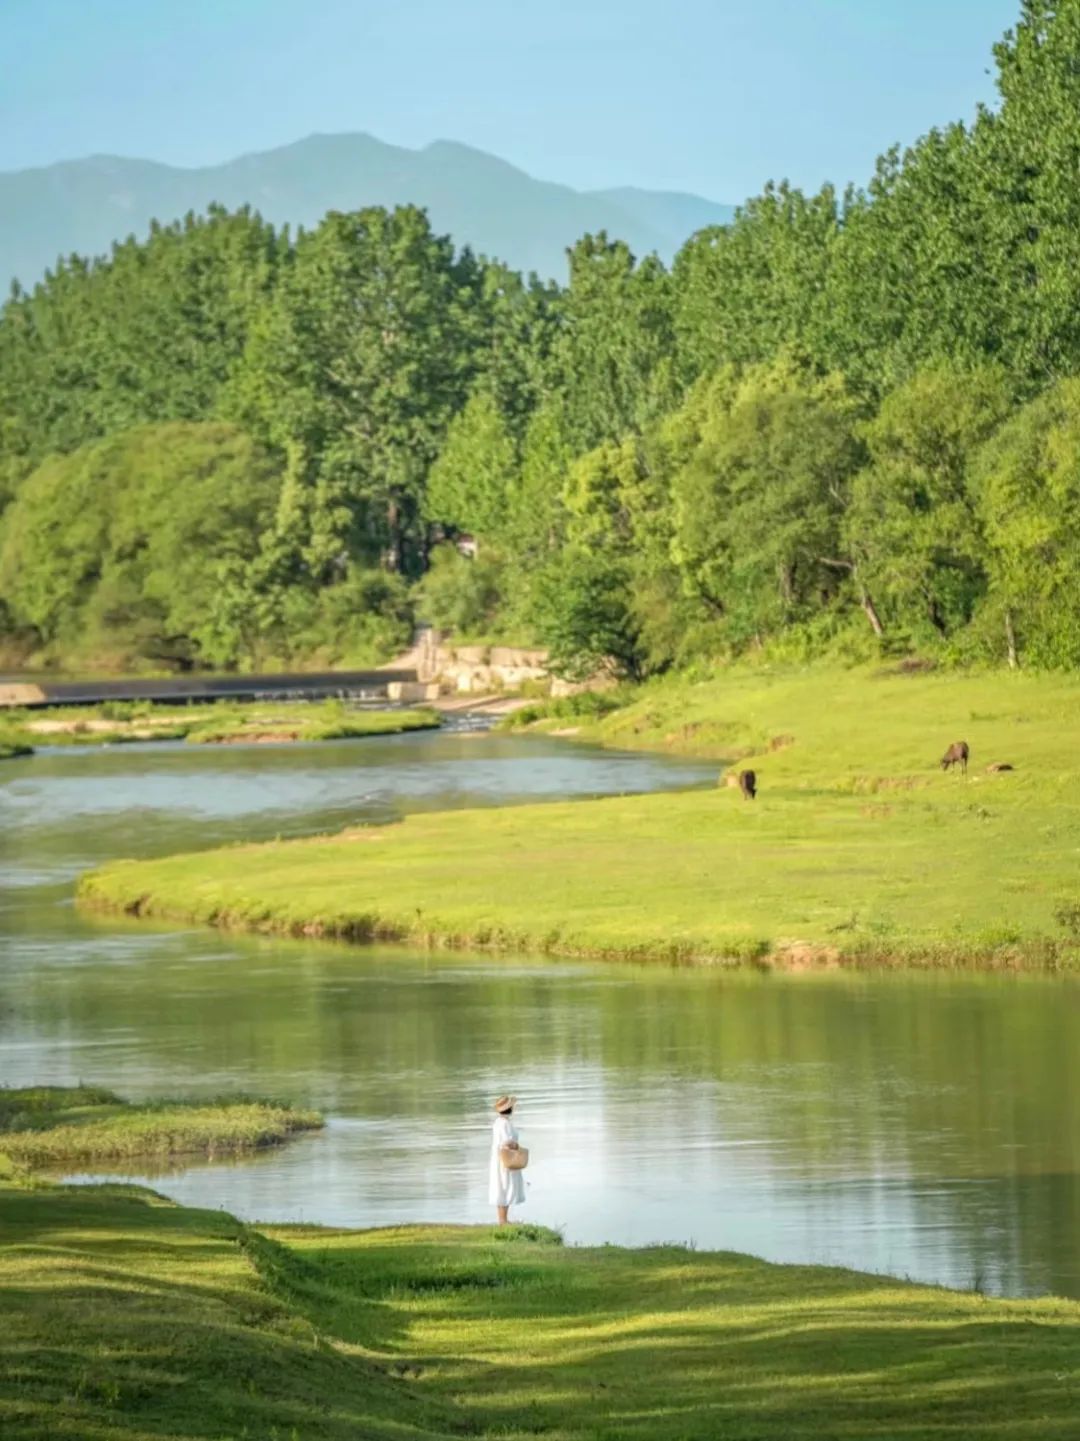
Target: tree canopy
846,419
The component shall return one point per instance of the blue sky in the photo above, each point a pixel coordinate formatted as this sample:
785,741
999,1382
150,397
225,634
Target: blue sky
714,96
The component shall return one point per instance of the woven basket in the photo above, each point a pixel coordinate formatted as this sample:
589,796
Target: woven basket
513,1160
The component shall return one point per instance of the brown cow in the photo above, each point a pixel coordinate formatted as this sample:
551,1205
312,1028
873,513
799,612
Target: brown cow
956,755
748,784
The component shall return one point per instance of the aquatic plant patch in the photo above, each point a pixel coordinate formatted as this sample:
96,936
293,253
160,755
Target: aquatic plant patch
52,1126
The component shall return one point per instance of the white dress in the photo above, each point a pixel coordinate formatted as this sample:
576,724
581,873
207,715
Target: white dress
505,1188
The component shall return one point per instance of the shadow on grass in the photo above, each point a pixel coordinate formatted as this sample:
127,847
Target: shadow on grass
659,1344
123,1318
121,1321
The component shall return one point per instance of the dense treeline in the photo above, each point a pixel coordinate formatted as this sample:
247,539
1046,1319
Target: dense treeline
844,422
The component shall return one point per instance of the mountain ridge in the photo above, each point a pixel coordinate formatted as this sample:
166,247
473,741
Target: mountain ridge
83,205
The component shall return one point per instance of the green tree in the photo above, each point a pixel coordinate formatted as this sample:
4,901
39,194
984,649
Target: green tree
470,484
360,361
516,325
613,357
460,594
150,333
744,292
1032,246
1027,485
912,529
117,551
582,611
759,504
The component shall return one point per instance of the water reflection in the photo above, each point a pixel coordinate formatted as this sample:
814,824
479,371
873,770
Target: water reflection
926,1126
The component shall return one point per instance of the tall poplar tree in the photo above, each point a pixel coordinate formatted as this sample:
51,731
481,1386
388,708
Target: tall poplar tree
363,356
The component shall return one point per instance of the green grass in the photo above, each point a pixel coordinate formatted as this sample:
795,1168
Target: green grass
123,1317
56,1125
122,723
114,723
858,849
10,749
319,723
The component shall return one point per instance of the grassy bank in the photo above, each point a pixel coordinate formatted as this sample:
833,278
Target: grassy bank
859,849
57,1125
123,1317
10,750
321,723
125,723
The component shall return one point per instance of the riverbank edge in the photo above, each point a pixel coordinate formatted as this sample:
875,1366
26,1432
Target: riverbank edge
258,1321
120,889
860,852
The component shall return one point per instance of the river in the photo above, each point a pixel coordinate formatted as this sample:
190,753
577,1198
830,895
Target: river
922,1125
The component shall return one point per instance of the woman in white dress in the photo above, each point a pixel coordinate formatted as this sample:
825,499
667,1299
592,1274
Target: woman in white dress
505,1188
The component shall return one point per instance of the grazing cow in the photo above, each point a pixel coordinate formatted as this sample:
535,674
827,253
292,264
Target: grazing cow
748,784
956,755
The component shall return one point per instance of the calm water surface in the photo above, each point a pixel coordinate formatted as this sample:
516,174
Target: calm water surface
923,1125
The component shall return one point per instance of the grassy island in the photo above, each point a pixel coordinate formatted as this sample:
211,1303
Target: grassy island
220,723
307,723
125,1317
859,849
68,1125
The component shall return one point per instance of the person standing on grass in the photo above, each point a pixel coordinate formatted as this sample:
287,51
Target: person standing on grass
505,1188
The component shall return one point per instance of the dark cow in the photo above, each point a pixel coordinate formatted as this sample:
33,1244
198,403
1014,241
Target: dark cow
956,755
748,784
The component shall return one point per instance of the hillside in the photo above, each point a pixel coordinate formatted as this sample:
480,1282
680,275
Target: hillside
84,205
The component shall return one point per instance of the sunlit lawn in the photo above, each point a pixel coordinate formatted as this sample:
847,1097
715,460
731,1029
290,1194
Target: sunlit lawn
123,1317
533,1339
858,846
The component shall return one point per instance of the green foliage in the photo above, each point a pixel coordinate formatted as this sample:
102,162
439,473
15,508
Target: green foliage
459,594
584,704
356,366
582,610
613,357
759,503
470,482
912,527
120,542
152,333
1028,488
747,291
771,446
360,619
519,322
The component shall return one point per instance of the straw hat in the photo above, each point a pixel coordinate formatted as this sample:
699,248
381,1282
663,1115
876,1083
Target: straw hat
504,1104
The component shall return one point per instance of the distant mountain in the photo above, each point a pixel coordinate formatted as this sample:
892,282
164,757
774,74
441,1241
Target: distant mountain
84,205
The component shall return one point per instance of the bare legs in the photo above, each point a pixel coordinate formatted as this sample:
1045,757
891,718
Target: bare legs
504,1214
